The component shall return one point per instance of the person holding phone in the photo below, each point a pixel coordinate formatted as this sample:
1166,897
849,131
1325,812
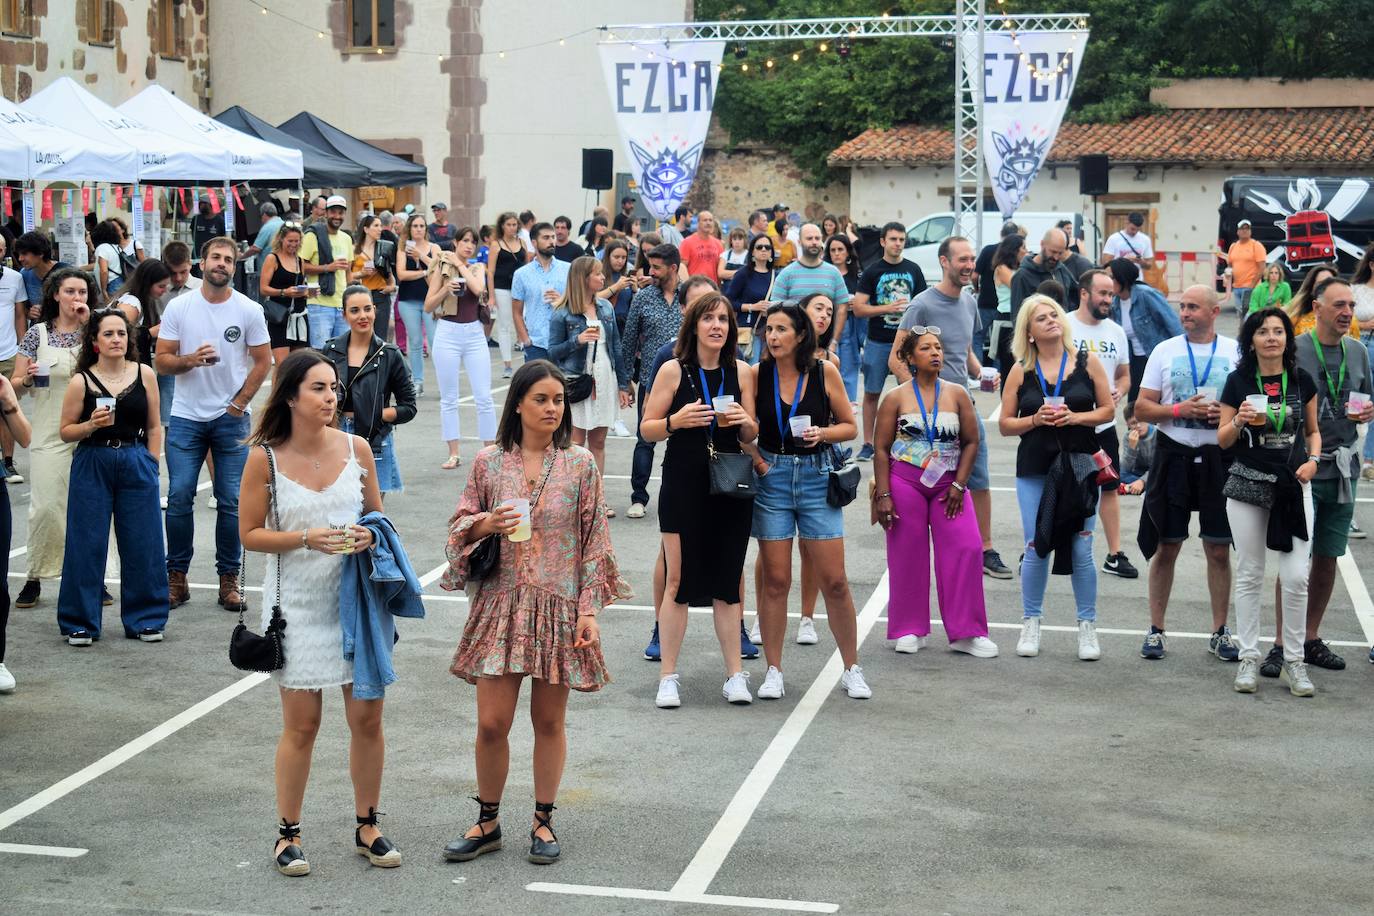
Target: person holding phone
535,614
282,281
455,296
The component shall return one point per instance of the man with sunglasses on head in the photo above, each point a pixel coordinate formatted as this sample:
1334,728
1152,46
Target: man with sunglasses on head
952,308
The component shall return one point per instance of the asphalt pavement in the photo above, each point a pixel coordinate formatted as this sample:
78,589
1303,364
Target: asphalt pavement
137,778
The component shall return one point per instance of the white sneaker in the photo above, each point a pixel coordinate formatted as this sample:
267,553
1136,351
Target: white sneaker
6,679
977,646
212,503
1088,649
908,645
736,688
668,697
755,635
854,684
636,510
1294,674
621,431
806,632
772,685
1028,646
1246,676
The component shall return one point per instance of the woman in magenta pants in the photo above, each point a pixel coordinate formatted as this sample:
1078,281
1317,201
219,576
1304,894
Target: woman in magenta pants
926,440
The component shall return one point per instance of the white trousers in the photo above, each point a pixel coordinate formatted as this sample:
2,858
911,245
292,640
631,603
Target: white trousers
456,347
505,324
1248,524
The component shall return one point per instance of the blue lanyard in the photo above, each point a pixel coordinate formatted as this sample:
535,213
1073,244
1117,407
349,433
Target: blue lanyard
1192,363
1059,382
706,391
785,431
934,414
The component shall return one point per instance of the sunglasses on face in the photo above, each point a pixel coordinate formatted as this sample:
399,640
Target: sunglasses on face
763,247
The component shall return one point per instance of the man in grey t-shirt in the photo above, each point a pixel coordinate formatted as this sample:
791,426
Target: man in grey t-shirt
949,306
1339,366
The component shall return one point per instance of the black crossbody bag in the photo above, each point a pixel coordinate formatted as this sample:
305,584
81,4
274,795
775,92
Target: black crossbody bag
249,651
732,473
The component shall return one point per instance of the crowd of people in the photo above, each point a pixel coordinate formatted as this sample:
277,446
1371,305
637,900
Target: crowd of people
760,355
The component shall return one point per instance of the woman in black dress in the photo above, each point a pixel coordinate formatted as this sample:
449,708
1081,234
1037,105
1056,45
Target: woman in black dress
705,536
503,259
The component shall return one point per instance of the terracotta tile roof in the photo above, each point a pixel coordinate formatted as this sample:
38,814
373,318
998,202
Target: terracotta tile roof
1316,136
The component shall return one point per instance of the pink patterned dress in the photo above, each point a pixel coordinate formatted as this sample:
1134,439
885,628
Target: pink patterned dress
521,618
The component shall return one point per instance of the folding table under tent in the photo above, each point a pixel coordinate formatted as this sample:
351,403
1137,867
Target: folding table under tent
32,148
383,168
251,159
162,157
322,168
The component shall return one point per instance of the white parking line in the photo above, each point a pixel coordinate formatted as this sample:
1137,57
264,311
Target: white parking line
1359,595
61,852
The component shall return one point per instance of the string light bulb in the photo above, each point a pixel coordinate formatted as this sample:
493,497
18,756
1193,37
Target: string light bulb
319,34
502,55
263,10
562,42
769,63
796,56
744,68
824,47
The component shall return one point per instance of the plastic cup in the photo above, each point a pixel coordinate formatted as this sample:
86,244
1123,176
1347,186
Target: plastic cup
106,402
343,522
1208,392
722,402
987,380
800,424
213,359
522,526
1056,402
1260,404
1357,404
41,376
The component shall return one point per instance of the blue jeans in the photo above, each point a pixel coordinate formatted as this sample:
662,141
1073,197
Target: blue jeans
1241,295
118,482
534,351
1035,569
325,323
414,316
980,337
4,565
188,442
1368,338
166,388
851,347
642,465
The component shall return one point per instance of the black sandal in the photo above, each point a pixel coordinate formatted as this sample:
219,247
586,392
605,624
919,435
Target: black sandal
466,848
1316,652
291,860
541,852
1273,662
381,853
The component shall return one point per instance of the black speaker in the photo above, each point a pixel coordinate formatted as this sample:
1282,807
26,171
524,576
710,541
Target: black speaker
1092,175
596,170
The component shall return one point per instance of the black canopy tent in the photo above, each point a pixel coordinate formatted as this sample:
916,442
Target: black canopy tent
323,169
383,168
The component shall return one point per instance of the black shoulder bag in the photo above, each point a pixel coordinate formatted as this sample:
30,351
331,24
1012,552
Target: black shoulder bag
247,650
732,473
583,385
842,486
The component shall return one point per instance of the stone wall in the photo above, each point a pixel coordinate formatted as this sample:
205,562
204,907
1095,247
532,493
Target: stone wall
730,183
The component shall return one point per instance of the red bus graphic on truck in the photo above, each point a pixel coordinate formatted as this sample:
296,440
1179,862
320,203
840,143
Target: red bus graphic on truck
1308,238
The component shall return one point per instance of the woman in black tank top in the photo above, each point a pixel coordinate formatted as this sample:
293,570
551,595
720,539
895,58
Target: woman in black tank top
116,462
506,255
1053,399
412,274
795,460
283,283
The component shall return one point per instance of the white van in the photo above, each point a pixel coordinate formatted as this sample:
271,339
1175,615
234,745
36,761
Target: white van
924,236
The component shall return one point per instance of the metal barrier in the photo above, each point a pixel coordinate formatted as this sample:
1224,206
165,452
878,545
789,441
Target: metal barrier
1183,269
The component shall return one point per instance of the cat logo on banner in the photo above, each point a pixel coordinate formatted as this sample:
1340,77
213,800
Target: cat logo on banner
1027,80
662,98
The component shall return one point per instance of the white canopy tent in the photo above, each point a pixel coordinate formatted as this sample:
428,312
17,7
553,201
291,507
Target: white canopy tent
161,156
34,149
251,159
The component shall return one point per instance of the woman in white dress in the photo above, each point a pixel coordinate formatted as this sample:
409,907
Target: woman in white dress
324,481
584,339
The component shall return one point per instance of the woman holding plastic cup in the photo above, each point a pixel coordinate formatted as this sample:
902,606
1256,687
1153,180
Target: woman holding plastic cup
803,410
1269,424
43,367
455,295
1053,399
926,440
110,412
535,614
584,338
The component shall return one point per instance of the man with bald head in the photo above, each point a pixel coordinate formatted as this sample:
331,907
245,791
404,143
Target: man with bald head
1045,264
810,273
701,250
1178,393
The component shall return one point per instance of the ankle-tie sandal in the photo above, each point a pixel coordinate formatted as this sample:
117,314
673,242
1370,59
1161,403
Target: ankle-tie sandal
466,848
542,852
291,860
381,853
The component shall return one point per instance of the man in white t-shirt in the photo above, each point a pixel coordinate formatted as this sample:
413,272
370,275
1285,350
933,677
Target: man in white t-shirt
1095,331
13,303
1130,243
215,341
1179,391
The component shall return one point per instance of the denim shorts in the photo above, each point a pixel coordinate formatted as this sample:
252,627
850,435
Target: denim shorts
874,364
388,471
790,500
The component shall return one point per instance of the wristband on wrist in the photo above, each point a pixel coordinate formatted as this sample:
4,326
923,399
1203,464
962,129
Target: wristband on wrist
1176,411
305,533
958,486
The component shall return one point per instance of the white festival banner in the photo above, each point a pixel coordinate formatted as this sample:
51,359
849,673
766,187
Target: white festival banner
662,96
1028,78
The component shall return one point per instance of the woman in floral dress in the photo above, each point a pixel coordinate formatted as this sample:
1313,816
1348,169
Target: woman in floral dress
534,615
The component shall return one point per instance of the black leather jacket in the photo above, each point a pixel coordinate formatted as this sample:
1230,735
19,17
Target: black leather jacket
382,376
